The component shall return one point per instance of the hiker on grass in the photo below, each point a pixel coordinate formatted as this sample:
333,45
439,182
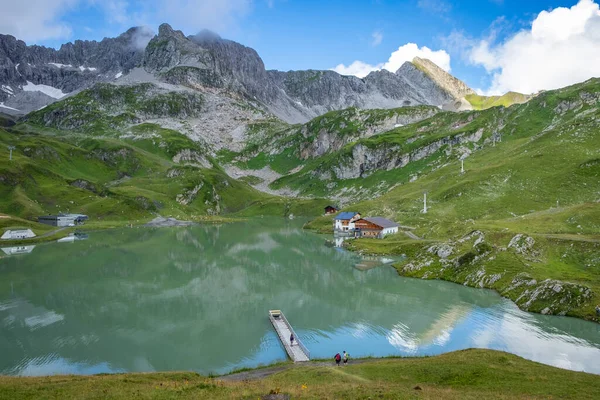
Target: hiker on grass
346,357
337,359
292,339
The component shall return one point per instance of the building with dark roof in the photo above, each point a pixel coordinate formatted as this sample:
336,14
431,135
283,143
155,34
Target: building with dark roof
63,219
375,227
331,209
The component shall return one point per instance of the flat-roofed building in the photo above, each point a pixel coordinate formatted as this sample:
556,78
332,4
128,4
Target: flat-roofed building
63,219
13,234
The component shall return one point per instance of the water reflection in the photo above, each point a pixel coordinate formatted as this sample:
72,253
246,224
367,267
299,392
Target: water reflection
196,298
15,250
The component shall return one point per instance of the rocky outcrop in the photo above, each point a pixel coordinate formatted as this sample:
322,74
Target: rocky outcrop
191,157
364,160
331,132
85,185
171,48
41,153
119,105
456,88
466,260
556,296
189,196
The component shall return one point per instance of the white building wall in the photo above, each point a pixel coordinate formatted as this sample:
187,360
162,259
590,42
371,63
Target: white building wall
18,234
389,231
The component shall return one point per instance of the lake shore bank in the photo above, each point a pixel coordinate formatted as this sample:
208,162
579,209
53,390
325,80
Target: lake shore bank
537,272
463,374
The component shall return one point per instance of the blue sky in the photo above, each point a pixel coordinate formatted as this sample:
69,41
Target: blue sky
477,36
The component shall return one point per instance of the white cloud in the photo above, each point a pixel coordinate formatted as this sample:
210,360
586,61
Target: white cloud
39,20
116,11
404,53
35,20
376,37
561,47
357,68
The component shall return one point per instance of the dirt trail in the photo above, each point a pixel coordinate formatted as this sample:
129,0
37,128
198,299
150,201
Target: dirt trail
412,235
268,371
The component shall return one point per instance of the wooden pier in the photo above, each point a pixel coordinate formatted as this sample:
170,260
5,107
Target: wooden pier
298,352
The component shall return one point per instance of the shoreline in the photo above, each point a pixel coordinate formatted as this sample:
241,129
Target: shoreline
410,268
472,373
158,222
261,371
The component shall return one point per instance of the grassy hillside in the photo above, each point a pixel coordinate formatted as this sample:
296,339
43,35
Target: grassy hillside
95,153
154,170
539,180
506,100
469,374
284,147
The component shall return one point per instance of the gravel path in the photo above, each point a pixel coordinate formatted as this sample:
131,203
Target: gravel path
412,235
268,371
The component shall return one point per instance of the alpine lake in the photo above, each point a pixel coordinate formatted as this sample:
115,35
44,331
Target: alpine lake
197,298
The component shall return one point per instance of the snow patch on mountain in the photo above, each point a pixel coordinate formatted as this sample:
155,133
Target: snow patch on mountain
59,65
47,90
8,108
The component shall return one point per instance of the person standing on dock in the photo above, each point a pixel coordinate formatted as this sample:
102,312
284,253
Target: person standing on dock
292,339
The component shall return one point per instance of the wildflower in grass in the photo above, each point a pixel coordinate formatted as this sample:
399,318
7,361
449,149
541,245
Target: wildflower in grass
304,386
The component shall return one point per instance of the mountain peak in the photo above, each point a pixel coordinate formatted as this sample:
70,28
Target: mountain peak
165,30
454,86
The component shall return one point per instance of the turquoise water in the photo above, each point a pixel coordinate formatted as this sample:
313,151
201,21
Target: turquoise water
197,298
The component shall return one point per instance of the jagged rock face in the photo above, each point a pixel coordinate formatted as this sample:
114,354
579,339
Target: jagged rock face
329,139
453,86
424,89
294,96
131,104
323,91
73,67
364,160
206,62
170,48
237,64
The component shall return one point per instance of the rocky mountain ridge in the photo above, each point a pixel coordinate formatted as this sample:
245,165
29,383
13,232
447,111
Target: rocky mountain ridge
34,76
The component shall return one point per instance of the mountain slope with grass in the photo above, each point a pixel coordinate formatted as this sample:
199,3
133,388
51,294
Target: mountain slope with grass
479,102
522,219
150,171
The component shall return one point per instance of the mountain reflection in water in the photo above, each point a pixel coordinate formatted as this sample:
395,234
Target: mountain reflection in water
196,298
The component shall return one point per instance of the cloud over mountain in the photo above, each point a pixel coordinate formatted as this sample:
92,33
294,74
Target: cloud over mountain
404,53
35,19
561,47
